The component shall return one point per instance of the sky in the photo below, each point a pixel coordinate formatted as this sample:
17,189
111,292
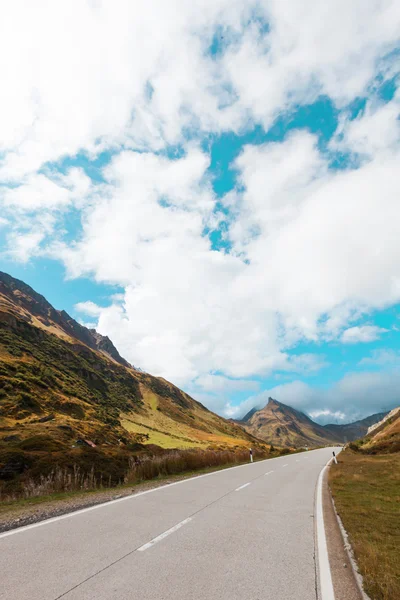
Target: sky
215,186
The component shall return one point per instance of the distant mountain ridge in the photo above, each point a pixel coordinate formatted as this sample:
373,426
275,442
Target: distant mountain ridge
280,424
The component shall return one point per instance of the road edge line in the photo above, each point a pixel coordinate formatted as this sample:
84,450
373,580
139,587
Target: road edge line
324,586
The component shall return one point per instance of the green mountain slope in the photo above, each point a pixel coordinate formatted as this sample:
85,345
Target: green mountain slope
61,383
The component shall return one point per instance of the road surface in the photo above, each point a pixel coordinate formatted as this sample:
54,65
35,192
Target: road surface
241,533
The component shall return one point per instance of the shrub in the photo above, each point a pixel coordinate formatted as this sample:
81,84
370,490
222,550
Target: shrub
179,461
41,443
284,451
354,446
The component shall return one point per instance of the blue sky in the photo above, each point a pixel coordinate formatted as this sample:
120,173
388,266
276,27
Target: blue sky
223,205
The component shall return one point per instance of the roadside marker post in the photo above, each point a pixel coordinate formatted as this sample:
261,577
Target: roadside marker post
251,455
334,457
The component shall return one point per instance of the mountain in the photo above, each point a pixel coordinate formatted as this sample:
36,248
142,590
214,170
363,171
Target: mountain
384,436
62,383
354,431
20,299
248,415
283,425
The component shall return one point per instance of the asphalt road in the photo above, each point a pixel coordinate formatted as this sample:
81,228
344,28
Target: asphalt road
241,533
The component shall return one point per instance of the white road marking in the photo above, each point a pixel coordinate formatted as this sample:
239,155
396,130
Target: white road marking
242,486
269,472
325,575
297,460
285,465
163,535
130,497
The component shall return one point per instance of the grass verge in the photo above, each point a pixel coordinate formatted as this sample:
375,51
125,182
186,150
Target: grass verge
366,490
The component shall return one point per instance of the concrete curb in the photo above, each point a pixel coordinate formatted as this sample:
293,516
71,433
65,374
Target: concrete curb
349,551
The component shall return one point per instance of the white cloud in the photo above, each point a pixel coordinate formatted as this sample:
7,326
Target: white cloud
39,192
24,245
327,416
139,74
187,306
318,238
88,308
218,383
306,363
375,130
382,357
177,319
138,79
362,334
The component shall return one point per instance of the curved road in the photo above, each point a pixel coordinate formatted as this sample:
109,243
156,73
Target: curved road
241,533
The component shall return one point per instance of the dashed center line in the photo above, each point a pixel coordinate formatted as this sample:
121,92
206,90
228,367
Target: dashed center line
285,465
163,535
269,472
242,486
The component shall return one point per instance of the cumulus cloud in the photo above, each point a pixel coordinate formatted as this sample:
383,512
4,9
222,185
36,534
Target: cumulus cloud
148,83
375,130
218,383
140,74
88,308
362,333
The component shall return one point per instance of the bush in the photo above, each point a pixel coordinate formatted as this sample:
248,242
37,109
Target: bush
355,446
284,451
41,443
179,461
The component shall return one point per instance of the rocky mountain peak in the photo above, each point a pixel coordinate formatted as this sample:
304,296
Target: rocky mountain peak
35,305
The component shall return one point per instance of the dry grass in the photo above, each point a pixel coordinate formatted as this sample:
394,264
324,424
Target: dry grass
179,461
366,490
139,468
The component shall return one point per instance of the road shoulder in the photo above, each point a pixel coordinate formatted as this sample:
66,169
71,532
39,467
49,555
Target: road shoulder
343,579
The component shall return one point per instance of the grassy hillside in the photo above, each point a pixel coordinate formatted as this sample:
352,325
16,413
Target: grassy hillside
56,391
385,438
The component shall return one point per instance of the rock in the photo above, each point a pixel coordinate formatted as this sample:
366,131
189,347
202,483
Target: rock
65,427
11,438
47,418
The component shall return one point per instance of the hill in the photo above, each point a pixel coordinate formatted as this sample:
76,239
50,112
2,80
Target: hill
384,436
366,487
354,431
63,386
280,424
